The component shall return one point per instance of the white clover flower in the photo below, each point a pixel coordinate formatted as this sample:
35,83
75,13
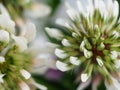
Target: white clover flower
93,32
15,60
18,58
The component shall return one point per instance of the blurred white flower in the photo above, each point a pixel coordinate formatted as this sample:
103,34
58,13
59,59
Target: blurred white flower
37,10
83,85
43,58
6,23
3,10
18,40
31,34
28,30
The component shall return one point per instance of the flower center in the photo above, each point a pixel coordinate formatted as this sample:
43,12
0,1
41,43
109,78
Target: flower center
97,52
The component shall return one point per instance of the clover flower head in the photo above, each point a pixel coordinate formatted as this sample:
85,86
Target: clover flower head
91,40
15,62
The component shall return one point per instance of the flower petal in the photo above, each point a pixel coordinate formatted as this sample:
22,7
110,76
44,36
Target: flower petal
87,53
60,53
54,33
30,31
80,7
74,60
62,66
25,74
99,60
65,42
115,9
84,77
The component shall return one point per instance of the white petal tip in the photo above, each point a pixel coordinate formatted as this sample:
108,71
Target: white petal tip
2,59
62,66
25,74
74,61
60,53
65,42
100,62
84,77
